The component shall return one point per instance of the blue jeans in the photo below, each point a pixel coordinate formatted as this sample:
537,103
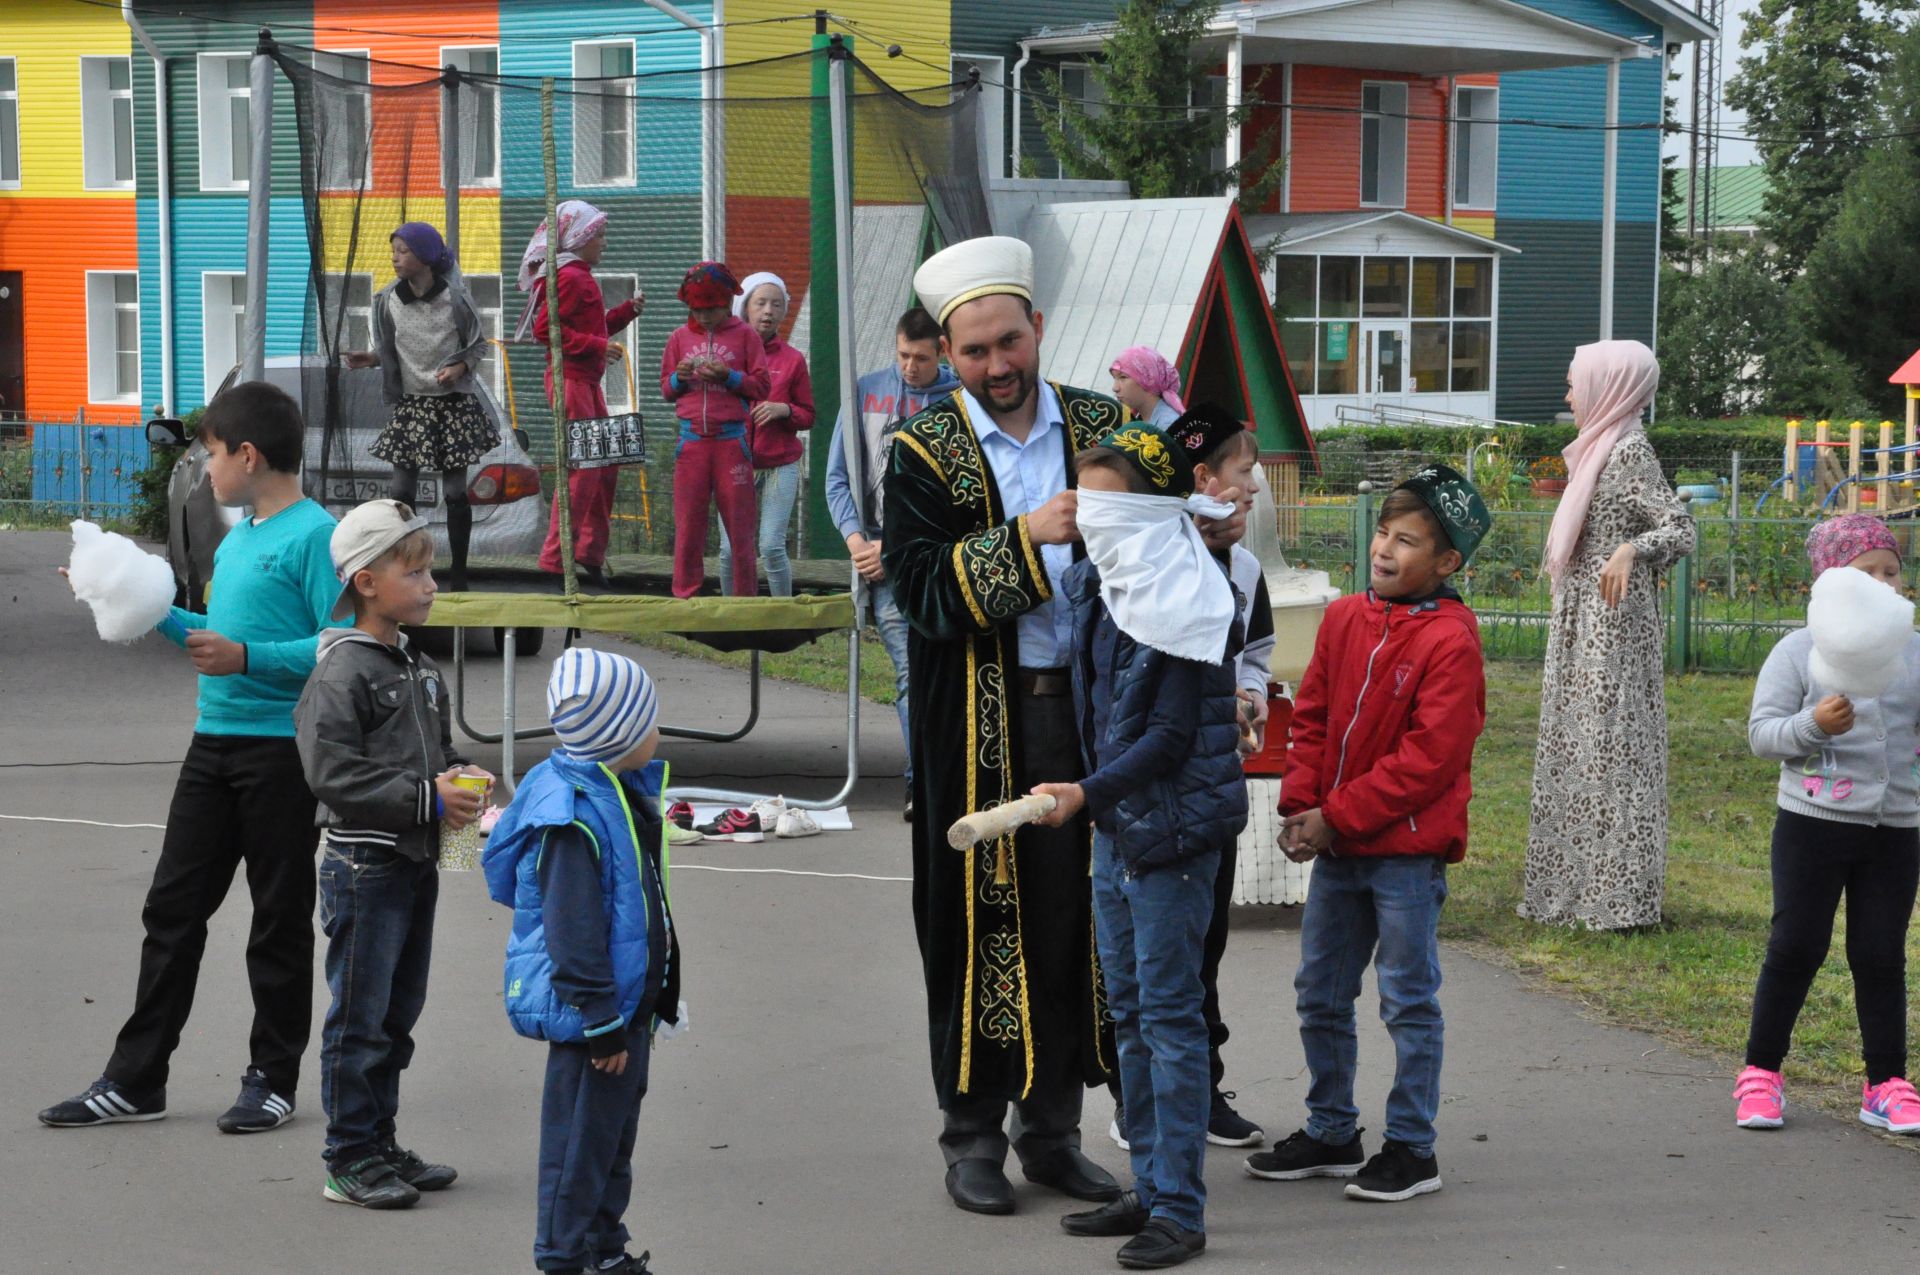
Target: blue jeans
893,636
1387,911
589,1121
1151,930
777,490
376,909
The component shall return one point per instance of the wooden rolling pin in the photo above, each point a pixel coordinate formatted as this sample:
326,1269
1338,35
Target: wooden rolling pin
996,822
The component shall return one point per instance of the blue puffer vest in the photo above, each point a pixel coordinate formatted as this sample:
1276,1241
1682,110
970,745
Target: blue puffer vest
1203,805
623,820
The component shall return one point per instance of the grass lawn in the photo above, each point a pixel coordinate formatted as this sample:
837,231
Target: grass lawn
1691,981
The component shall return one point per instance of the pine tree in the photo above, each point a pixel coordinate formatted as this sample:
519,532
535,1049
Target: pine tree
1807,87
1155,127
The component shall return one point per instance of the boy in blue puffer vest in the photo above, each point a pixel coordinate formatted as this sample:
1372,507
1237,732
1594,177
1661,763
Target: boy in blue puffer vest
1155,629
592,964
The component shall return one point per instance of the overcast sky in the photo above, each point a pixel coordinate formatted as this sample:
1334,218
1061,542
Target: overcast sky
1731,150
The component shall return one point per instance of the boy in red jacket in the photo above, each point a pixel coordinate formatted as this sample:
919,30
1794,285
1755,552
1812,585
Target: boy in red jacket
712,366
1376,787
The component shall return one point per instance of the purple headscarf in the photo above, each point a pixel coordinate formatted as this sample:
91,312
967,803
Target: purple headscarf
424,242
1834,542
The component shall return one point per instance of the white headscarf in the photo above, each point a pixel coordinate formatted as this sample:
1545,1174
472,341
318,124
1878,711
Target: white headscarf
1162,585
752,281
579,221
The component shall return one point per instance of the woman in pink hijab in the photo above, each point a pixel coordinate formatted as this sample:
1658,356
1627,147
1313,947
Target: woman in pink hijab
1597,845
1147,385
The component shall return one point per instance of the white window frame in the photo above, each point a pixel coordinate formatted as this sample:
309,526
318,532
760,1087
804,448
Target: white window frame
589,137
342,282
993,104
1390,124
1479,133
214,99
614,381
10,142
455,55
104,309
492,325
223,319
1216,101
339,60
99,124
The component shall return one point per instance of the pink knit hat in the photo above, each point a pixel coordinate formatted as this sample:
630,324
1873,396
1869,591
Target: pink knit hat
1834,542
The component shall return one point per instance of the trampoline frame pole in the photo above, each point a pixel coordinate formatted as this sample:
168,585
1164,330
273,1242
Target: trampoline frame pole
253,356
508,661
840,69
556,364
450,153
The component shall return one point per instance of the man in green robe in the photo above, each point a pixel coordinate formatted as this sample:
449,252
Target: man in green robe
979,529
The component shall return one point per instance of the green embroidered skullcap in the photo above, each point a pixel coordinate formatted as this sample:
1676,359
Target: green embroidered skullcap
1155,455
1456,503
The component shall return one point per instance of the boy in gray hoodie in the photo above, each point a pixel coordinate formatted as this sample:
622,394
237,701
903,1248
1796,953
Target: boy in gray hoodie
376,742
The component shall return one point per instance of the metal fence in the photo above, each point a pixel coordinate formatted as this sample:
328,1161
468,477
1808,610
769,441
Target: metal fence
1724,606
51,471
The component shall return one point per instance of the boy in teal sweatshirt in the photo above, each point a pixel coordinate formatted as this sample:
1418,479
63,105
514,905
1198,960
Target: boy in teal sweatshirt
241,796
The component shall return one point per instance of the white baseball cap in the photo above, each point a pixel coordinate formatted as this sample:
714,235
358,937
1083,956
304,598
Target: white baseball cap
366,532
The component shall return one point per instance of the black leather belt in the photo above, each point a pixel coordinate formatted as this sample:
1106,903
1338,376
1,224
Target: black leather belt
1046,683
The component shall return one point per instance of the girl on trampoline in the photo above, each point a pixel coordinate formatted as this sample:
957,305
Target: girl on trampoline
428,342
585,326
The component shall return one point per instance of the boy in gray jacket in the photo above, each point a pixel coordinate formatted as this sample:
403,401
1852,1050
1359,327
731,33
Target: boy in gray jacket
376,742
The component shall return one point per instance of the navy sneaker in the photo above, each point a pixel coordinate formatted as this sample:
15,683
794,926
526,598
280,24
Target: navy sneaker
105,1103
370,1183
421,1175
257,1109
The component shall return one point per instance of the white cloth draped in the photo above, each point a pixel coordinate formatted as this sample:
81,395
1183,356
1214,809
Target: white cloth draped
1159,580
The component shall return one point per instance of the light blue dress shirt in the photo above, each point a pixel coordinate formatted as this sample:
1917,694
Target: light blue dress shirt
1163,415
1028,475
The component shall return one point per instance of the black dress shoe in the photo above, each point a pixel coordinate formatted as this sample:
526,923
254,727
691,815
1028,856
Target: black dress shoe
979,1186
1122,1216
1160,1245
1071,1173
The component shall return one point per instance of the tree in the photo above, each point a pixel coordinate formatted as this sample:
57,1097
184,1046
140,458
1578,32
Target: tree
1155,127
1807,88
1860,291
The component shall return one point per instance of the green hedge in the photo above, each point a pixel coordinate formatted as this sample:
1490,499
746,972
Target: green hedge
1692,443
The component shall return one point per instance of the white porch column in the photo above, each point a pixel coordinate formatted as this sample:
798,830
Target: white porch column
1609,183
1236,68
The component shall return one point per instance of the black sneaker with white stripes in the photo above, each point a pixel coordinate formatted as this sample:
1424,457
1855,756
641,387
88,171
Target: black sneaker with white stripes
105,1103
257,1109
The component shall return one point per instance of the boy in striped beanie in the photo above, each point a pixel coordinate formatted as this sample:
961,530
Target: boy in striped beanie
593,963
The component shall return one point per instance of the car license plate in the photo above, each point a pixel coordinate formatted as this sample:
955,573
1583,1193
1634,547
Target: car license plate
357,491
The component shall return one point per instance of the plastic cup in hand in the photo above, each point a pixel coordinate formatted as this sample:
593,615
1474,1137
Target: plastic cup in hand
460,847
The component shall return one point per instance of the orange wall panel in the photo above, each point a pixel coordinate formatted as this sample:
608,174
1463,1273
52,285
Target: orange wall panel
53,243
1326,141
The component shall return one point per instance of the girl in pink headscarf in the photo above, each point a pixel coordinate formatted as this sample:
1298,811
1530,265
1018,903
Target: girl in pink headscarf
585,326
1147,385
1597,847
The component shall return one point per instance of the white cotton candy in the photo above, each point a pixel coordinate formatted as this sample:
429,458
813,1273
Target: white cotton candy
1860,630
128,588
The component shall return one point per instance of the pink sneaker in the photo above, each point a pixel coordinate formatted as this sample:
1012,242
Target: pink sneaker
1891,1105
1762,1100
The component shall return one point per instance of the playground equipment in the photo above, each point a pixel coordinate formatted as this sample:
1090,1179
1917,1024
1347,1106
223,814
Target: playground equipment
1832,470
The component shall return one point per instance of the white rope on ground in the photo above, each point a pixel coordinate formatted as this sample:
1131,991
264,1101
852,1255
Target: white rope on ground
678,867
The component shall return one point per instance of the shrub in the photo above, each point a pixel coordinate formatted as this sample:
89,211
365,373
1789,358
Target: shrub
149,512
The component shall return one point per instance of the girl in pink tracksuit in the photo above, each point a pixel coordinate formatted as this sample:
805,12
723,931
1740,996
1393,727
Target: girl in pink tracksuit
712,367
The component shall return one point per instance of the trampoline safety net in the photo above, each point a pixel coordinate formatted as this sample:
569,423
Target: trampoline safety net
686,163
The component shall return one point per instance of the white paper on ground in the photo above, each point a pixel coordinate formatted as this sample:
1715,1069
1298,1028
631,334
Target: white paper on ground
1860,630
129,589
834,820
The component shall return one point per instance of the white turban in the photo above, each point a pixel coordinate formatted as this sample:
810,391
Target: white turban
994,265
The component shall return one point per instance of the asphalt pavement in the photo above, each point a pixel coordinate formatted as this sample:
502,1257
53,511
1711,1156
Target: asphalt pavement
792,1130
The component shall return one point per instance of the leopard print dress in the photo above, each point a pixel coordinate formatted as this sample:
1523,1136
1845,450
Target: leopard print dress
1597,844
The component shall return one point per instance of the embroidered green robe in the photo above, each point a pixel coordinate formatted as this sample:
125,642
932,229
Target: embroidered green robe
1013,985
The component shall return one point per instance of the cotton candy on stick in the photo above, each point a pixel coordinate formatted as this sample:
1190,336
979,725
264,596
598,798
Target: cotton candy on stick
129,589
1860,630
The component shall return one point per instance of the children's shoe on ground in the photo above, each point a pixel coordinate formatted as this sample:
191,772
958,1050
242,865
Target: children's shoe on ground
678,836
1395,1174
625,1264
1760,1099
371,1183
735,825
257,1109
680,815
1227,1127
1161,1244
1891,1105
105,1103
1301,1155
420,1174
768,811
1113,1130
796,823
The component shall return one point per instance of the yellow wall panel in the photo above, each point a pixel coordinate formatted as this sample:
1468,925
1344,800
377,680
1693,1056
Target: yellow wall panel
380,215
47,41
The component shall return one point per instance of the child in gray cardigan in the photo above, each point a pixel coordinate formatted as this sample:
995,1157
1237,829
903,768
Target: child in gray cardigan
1848,823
